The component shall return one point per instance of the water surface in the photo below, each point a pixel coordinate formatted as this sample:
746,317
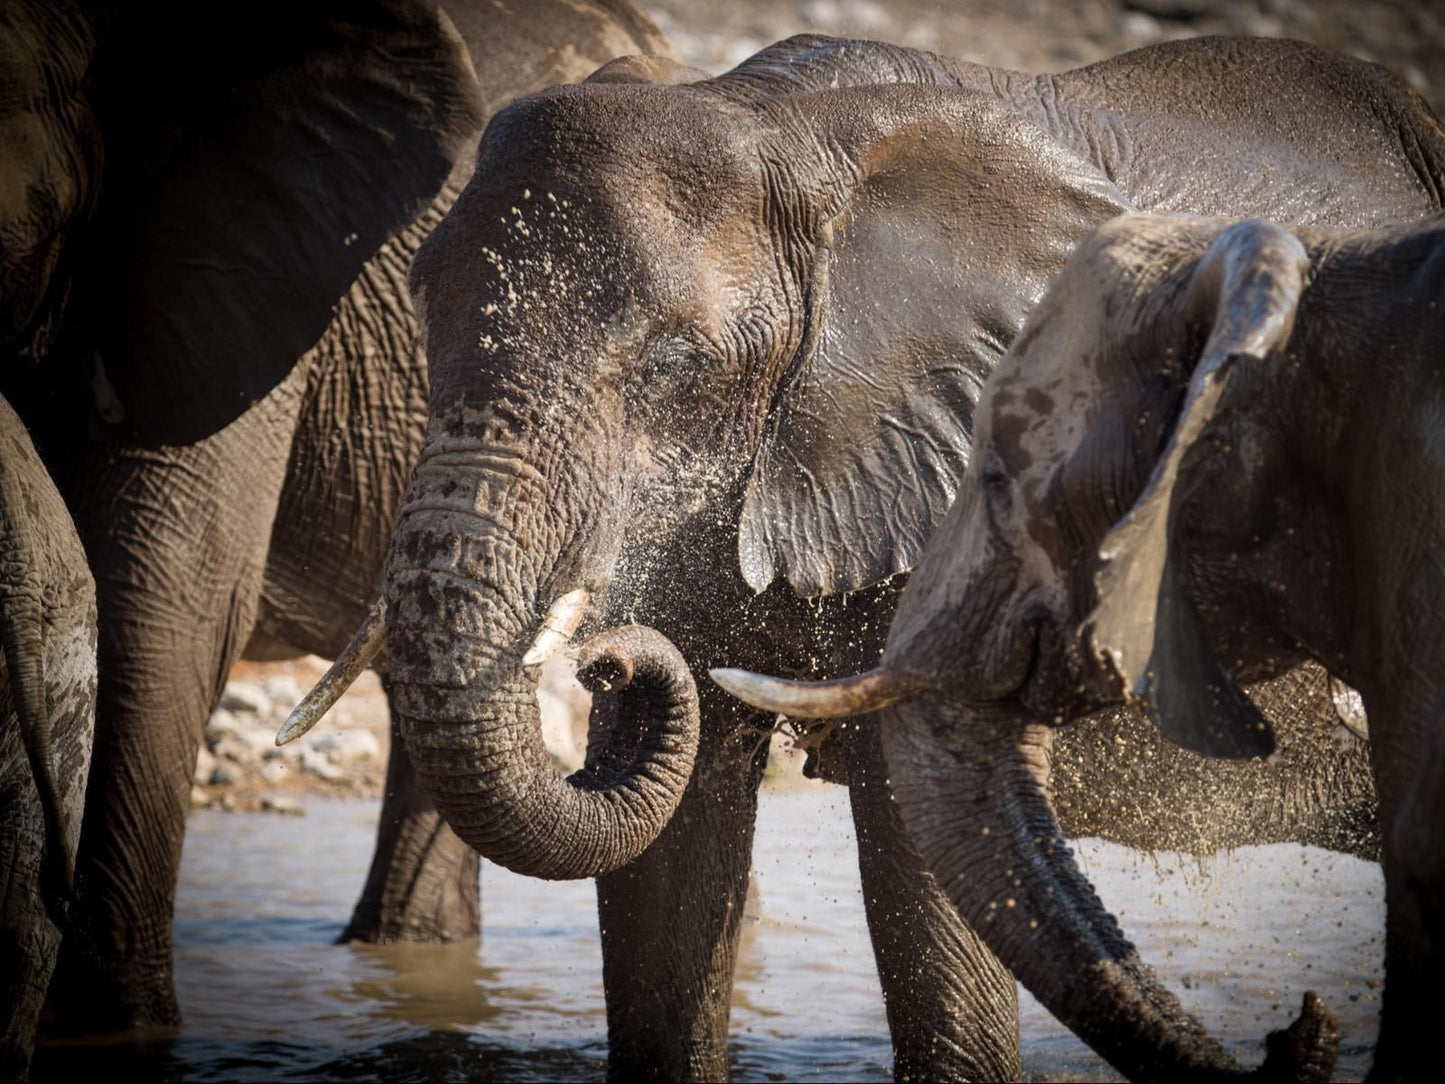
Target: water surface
267,995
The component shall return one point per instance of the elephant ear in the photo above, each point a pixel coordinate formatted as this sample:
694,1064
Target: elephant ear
952,217
263,157
1245,291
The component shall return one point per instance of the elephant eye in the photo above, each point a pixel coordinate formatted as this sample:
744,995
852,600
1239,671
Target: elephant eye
997,493
995,482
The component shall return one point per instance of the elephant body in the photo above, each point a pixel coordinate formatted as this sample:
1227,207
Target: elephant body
47,723
704,355
226,378
1205,461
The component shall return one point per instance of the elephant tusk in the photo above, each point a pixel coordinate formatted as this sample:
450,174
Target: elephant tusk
563,617
856,695
347,667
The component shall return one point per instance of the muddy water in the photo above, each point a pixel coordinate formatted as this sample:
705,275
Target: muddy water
266,994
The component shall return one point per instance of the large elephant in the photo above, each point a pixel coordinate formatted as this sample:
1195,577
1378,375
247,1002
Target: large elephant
47,723
705,355
207,227
1208,457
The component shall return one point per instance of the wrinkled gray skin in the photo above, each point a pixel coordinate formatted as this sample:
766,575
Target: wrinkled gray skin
1240,420
47,723
203,314
710,351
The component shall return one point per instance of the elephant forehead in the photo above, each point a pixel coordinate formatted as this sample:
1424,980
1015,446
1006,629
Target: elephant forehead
628,144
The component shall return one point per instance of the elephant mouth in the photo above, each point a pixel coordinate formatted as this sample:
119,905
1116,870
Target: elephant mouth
1056,686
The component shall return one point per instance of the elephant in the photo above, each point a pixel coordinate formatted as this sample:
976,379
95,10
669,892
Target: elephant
703,356
1205,460
47,724
204,321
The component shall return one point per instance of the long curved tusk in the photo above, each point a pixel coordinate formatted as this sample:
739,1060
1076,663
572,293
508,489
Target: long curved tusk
563,617
856,695
347,667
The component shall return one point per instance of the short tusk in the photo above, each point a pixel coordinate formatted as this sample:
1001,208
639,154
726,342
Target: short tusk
563,617
347,667
816,699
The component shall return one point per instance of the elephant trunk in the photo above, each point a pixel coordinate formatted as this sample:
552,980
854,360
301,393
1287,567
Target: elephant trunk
479,553
976,805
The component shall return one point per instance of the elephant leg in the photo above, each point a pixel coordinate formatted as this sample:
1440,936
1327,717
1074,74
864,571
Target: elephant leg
424,881
952,1007
29,938
671,918
177,541
1413,813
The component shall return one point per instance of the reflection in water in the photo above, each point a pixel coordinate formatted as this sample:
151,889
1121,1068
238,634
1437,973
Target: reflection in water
265,993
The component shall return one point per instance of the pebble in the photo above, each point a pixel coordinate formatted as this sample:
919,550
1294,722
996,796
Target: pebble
348,745
205,765
245,697
283,692
318,765
276,803
273,771
225,775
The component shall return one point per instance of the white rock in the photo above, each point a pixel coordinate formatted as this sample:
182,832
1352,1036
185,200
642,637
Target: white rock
205,765
225,775
317,764
348,745
276,803
199,798
233,749
260,738
865,15
283,692
244,696
1137,24
289,753
221,724
273,771
820,14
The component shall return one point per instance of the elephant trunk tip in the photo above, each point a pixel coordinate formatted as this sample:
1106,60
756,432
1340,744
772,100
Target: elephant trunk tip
1304,1051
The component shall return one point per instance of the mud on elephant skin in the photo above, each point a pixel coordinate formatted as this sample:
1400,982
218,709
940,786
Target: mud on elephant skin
207,229
706,351
47,724
1203,461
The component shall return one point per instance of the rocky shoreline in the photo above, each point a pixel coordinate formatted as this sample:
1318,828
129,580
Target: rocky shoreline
239,767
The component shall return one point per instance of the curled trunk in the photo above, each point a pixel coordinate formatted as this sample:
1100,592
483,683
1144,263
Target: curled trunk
478,557
976,805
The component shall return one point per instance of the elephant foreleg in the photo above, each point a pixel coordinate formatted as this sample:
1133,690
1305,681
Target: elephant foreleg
29,938
423,884
952,1007
177,541
1410,771
671,918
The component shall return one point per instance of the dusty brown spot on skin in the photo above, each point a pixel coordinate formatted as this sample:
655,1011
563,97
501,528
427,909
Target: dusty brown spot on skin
1008,439
1036,399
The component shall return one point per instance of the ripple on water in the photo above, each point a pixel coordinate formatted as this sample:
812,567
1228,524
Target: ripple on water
266,993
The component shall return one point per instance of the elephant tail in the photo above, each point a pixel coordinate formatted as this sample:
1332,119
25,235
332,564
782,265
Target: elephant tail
22,641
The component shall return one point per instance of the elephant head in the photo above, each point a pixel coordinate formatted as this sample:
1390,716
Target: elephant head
1141,521
660,300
